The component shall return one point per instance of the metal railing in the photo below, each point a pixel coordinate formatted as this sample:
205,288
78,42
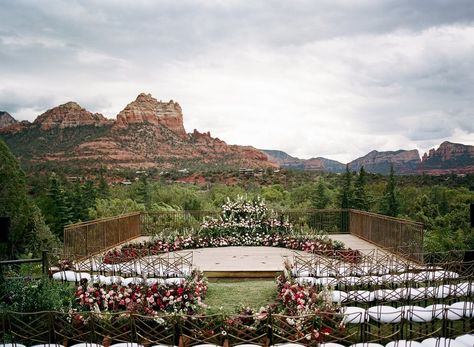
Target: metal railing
401,236
397,235
88,238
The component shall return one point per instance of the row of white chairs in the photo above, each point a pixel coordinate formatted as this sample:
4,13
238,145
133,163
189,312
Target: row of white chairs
73,276
466,340
154,265
348,269
432,276
464,289
417,314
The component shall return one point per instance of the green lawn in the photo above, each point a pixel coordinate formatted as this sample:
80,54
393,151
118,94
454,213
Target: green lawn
231,294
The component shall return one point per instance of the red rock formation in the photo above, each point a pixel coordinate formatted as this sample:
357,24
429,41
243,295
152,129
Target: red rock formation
147,109
404,162
448,158
69,115
146,134
6,119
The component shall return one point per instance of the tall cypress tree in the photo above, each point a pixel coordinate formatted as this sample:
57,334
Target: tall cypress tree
13,201
103,188
361,199
346,196
58,210
390,203
320,199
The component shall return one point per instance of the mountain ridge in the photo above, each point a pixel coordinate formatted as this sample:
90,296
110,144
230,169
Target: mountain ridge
147,133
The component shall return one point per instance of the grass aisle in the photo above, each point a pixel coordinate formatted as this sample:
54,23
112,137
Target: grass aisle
231,294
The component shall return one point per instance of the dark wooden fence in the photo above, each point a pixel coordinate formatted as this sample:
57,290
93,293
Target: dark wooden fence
398,235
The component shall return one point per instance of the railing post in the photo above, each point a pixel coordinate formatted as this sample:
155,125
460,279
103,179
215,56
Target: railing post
45,262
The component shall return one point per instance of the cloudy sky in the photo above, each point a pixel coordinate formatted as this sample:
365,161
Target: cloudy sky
328,78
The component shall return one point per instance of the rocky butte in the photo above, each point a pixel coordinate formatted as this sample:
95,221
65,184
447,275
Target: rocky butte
147,133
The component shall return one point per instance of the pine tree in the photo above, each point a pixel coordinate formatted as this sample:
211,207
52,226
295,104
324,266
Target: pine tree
103,188
144,193
346,196
320,199
58,212
13,200
361,199
390,203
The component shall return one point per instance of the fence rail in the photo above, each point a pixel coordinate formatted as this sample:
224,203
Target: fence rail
88,238
402,236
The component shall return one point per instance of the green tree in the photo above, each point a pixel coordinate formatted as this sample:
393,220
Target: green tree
103,191
320,198
361,198
58,209
13,200
144,194
346,195
390,205
29,233
114,207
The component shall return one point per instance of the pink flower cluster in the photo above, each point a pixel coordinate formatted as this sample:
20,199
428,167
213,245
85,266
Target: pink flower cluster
311,245
148,300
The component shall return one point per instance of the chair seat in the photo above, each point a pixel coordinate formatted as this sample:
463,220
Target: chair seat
417,314
330,344
441,342
354,315
87,344
404,343
338,296
126,344
438,310
175,280
360,296
366,344
467,340
109,280
467,308
385,314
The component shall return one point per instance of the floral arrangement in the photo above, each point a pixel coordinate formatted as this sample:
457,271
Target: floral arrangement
312,244
245,216
142,299
305,313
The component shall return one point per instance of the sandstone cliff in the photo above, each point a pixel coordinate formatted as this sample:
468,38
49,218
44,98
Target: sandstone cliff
69,115
404,162
448,158
147,134
285,160
6,119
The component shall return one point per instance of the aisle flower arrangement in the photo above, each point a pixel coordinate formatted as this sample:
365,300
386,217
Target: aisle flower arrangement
304,313
150,300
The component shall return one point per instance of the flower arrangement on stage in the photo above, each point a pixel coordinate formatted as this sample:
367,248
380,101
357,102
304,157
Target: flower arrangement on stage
149,300
243,216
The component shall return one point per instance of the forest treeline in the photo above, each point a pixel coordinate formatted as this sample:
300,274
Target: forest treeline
41,205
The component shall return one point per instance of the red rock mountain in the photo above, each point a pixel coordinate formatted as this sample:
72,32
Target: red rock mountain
146,134
6,119
448,158
69,115
404,162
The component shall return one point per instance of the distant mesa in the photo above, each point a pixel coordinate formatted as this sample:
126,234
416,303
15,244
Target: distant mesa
6,119
285,160
404,162
448,158
147,133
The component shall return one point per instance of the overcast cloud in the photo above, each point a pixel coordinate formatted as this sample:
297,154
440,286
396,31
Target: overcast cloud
313,78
